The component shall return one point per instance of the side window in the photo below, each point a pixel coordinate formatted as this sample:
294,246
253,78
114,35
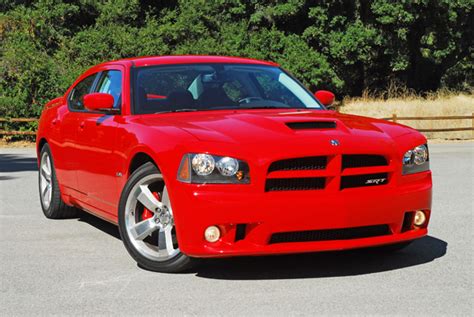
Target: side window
110,82
76,97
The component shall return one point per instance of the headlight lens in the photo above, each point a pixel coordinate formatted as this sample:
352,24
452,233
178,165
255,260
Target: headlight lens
416,160
408,158
228,166
421,154
203,164
204,168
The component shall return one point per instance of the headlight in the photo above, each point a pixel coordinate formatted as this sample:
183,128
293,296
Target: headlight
204,168
203,164
228,166
420,154
416,160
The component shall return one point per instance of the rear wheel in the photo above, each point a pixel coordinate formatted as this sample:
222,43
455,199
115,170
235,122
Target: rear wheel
146,223
50,195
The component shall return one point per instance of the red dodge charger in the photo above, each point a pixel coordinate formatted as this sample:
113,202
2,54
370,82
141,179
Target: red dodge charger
205,156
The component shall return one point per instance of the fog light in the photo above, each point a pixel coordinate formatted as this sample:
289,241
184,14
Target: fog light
212,234
419,218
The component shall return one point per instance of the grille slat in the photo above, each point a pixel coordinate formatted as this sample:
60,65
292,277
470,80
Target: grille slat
363,160
300,164
364,180
330,234
306,183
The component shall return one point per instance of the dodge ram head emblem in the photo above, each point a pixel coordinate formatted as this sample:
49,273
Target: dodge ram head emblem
334,142
375,181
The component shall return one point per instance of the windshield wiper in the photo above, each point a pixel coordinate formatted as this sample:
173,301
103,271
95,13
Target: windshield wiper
177,110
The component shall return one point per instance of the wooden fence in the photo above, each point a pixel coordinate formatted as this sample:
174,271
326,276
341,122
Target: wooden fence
396,118
3,132
393,118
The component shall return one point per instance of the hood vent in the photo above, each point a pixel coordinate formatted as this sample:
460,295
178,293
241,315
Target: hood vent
308,125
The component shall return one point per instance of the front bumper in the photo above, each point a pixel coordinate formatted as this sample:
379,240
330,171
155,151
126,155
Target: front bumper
267,213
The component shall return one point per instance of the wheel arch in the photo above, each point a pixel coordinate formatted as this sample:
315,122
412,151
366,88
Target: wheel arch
138,159
41,142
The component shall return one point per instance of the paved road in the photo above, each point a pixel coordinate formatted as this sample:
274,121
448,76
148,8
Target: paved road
79,266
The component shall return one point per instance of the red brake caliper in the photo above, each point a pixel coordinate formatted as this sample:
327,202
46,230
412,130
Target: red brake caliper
148,213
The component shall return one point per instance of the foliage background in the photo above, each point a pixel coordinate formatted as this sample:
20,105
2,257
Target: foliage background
345,46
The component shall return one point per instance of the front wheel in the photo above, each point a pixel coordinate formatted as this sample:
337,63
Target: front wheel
146,222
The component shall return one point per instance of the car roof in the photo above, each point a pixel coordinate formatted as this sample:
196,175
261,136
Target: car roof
187,59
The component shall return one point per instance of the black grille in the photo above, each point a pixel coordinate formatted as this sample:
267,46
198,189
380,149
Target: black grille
311,125
307,183
300,164
363,160
240,232
364,180
330,234
408,221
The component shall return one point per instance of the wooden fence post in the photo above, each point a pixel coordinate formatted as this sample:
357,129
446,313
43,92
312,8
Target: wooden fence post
394,117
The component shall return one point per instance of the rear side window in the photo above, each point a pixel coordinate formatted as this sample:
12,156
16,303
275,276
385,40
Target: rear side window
76,97
110,82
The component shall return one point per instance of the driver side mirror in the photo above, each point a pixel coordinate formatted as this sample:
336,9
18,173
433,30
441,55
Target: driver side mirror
100,102
326,98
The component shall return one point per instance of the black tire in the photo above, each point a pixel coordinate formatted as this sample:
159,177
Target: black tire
179,262
57,209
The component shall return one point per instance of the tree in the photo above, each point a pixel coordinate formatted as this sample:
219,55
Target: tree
345,46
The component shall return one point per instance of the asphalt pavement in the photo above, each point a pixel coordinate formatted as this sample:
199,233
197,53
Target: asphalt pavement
80,267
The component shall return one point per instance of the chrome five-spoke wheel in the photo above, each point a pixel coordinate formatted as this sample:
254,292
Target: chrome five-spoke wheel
149,219
50,195
146,222
46,186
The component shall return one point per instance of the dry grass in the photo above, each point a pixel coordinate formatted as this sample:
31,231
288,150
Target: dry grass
440,104
15,144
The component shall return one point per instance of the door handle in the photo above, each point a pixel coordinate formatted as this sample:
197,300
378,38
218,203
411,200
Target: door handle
81,125
55,121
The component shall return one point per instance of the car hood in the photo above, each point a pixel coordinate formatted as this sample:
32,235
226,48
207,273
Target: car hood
271,133
277,125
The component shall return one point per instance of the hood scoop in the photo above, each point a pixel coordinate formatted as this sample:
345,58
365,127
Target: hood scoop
311,125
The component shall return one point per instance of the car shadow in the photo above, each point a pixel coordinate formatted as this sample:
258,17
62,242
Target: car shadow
309,265
6,178
322,264
100,224
17,163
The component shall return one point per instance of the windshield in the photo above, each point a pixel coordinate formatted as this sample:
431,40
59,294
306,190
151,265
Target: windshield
217,86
